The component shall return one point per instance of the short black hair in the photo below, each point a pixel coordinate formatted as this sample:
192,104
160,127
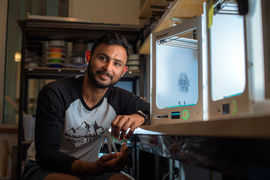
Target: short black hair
111,38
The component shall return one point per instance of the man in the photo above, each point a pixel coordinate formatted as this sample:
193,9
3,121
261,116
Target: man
73,113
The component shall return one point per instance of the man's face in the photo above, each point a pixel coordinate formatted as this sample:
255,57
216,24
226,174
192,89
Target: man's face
107,65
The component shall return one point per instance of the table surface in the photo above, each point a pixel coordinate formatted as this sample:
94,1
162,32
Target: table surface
255,125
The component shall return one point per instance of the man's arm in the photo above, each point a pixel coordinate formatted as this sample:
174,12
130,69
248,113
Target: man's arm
130,118
48,132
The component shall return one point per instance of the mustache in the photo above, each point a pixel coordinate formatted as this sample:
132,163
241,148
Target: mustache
105,73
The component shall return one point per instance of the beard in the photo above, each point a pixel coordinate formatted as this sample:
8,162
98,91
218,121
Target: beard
99,83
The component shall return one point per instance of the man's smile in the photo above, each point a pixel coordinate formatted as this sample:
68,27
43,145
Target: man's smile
104,75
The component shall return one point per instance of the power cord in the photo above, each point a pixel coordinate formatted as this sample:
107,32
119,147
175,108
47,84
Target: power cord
175,173
167,175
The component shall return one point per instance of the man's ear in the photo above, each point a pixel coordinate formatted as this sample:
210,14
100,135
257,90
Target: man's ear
124,71
87,56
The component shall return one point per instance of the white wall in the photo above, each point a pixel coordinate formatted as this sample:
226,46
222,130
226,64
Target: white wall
106,11
12,138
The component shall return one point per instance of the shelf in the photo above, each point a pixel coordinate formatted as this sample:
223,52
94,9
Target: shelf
145,12
9,130
52,73
179,9
43,29
27,142
56,73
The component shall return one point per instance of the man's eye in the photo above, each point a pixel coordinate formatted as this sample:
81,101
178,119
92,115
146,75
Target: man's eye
103,58
117,64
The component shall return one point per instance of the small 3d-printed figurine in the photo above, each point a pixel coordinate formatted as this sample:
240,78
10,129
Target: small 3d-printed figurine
183,82
110,143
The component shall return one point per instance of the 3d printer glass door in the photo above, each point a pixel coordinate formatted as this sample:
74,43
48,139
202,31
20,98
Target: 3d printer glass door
227,42
177,70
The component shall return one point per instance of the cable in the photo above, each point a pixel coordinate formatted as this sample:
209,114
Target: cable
167,175
175,173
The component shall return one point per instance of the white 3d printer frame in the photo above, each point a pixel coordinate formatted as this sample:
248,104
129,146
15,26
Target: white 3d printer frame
179,113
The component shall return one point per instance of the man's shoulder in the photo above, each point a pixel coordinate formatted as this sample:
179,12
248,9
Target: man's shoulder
64,84
66,81
115,90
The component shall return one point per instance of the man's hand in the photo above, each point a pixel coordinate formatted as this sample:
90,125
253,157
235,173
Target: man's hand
123,122
108,163
113,162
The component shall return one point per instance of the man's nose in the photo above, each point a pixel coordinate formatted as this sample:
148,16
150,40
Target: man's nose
108,66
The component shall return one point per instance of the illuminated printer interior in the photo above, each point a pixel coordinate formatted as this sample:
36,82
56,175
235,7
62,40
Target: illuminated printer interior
177,81
227,56
177,59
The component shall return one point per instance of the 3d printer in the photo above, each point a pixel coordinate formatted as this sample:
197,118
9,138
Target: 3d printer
177,62
202,72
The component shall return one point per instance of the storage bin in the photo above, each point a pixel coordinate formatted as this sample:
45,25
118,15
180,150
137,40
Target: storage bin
29,127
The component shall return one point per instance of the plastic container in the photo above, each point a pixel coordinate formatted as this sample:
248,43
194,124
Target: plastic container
77,59
29,127
58,43
56,50
133,68
52,49
56,55
79,47
79,54
134,57
133,62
